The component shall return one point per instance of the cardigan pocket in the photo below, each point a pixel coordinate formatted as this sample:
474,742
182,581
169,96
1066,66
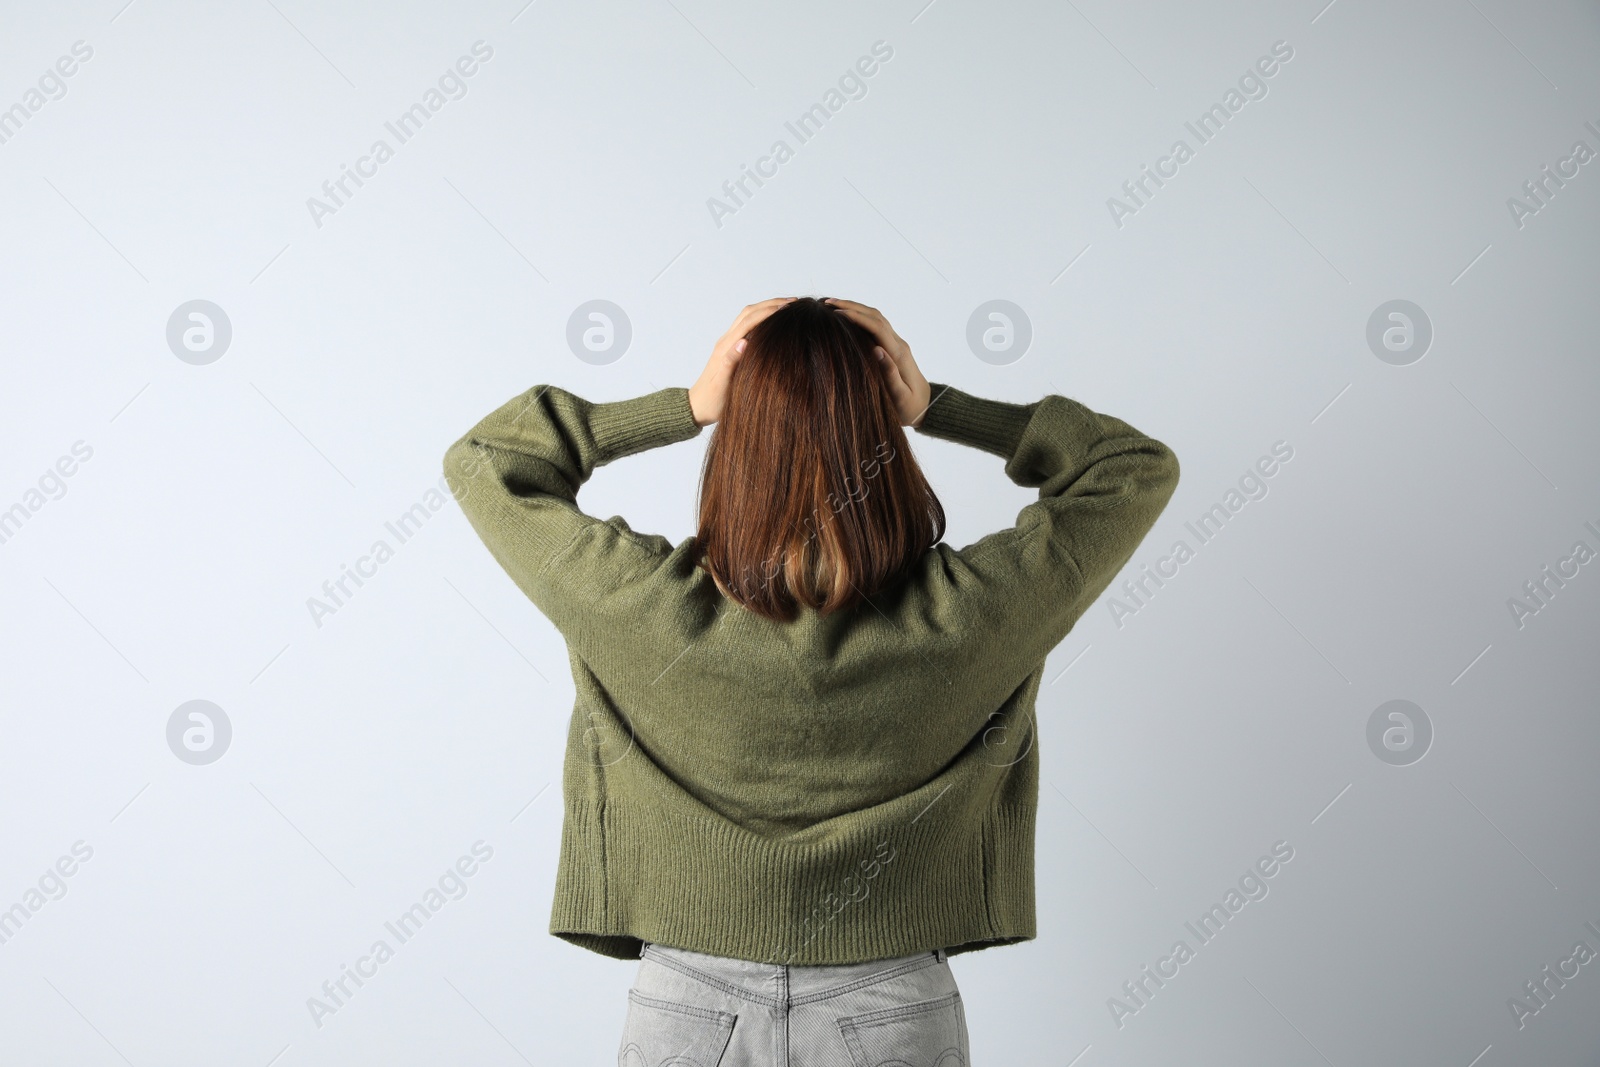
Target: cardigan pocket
930,1033
659,1032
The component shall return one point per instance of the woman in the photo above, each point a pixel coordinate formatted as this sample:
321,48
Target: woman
801,770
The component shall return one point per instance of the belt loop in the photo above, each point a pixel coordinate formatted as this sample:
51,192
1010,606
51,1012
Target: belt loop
939,954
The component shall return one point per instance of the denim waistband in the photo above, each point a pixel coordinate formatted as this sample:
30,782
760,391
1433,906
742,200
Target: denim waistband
781,983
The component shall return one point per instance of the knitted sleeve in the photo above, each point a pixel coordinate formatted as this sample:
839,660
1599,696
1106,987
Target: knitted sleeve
1102,485
516,475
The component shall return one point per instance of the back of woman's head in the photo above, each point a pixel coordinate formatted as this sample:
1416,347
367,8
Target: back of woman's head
810,494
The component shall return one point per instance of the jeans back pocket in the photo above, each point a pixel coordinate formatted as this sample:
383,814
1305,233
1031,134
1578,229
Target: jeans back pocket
659,1032
930,1033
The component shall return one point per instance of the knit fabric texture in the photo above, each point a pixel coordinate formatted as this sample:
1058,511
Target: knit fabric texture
828,790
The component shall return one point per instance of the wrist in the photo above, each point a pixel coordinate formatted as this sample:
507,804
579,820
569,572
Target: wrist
698,408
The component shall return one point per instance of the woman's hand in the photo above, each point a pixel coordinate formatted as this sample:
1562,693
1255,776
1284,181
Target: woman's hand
710,392
906,384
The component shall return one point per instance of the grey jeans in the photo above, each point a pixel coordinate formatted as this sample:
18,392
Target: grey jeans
688,1009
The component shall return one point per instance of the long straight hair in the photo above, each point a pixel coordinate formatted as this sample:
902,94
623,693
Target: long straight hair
809,493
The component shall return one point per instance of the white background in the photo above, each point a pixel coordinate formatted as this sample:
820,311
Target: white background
430,711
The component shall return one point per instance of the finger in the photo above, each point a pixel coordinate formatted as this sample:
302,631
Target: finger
730,351
864,316
745,322
755,313
891,374
902,365
878,328
764,306
769,302
860,312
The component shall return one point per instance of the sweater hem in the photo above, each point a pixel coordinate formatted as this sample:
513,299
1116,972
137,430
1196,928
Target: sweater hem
866,890
631,946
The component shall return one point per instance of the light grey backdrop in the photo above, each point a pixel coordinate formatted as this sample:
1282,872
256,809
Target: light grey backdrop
1186,729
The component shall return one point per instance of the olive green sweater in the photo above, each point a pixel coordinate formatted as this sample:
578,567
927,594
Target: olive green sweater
830,790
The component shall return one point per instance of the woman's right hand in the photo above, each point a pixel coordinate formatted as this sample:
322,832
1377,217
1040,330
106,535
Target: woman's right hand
907,386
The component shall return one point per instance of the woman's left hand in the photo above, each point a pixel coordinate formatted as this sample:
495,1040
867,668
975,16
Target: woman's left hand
710,392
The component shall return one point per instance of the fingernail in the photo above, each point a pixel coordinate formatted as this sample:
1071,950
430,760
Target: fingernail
740,346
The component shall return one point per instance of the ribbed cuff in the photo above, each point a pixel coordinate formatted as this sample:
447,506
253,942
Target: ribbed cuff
623,427
994,426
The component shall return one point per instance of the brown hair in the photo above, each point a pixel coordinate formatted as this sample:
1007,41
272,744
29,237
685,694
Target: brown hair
809,493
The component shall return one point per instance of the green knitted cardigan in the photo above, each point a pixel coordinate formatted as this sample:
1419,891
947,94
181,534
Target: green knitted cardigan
829,790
